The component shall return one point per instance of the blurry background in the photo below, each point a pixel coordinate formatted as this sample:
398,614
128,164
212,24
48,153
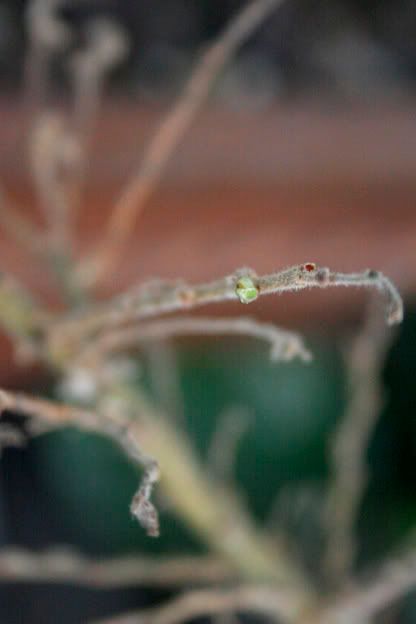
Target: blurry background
340,49
305,152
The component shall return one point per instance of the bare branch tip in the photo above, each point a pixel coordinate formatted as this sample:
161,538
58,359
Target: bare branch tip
146,514
394,312
142,507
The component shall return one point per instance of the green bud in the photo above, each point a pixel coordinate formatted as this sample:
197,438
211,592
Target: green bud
246,290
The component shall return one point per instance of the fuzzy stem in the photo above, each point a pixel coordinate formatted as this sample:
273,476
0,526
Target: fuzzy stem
164,297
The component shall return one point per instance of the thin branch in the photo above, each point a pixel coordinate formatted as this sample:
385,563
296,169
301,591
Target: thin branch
106,47
56,154
244,286
139,189
62,565
350,443
53,151
56,157
118,428
48,35
222,451
284,345
204,504
364,600
272,602
162,362
218,520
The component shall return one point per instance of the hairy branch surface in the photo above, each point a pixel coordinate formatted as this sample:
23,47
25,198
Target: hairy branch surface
159,298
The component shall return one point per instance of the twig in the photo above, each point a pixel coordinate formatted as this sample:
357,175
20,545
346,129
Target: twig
55,152
277,604
106,47
139,189
56,158
117,426
218,519
47,35
163,365
222,451
284,345
244,285
62,565
366,599
51,147
350,442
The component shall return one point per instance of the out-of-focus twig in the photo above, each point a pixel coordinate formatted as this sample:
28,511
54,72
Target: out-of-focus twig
55,158
218,519
163,364
276,603
61,565
170,132
363,600
48,35
244,285
365,361
106,47
55,151
284,345
222,451
49,412
118,427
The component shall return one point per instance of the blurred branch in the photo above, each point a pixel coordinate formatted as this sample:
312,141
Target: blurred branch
364,600
244,286
61,565
365,361
204,504
126,417
48,35
106,47
222,450
275,603
139,189
55,152
54,156
284,345
165,379
114,424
